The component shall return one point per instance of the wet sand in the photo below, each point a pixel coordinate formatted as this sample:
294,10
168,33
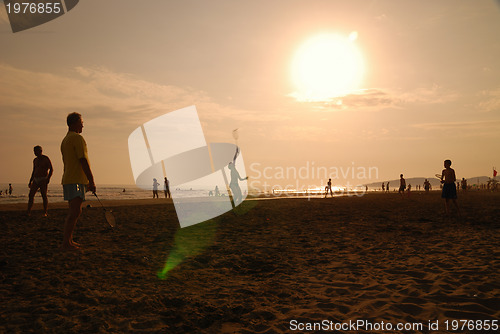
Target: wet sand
269,267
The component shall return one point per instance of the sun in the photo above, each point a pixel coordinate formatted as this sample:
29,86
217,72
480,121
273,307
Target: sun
327,66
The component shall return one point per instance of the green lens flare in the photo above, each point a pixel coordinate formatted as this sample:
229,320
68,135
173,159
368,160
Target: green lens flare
189,241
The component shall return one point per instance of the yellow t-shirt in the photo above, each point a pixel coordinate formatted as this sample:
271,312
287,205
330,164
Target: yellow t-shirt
73,148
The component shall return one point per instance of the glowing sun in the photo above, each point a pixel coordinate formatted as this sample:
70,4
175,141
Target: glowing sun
327,66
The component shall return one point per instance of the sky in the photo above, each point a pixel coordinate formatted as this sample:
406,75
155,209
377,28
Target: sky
429,88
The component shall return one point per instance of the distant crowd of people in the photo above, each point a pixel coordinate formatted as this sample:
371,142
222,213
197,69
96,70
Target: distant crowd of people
449,186
8,191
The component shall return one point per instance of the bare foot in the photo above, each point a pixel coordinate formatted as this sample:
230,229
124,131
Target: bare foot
76,244
67,248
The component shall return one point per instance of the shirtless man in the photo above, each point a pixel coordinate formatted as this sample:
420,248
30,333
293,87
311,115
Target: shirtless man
448,179
40,178
402,185
328,188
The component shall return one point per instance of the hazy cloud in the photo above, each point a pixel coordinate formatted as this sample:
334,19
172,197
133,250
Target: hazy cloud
473,128
367,99
434,94
98,91
379,98
119,101
491,100
370,98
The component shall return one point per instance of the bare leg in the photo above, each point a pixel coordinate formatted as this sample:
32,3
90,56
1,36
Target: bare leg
43,191
45,204
31,197
236,195
75,209
447,206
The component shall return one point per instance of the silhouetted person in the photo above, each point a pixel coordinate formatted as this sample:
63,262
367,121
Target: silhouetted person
217,192
40,178
235,178
77,176
10,189
155,188
427,185
166,187
448,179
402,185
328,188
383,186
387,187
464,184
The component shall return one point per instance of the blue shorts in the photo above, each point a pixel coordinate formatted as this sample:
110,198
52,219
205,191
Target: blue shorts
72,191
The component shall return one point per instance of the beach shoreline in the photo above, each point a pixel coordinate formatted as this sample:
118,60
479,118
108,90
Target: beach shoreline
90,200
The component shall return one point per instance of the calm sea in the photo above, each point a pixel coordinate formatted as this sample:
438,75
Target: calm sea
119,192
105,192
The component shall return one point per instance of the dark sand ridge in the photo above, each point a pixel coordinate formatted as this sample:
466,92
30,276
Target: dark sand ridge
378,257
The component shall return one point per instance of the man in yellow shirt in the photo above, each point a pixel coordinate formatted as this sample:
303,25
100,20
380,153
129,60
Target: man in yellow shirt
77,176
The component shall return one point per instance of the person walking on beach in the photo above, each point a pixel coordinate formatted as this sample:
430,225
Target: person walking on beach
77,176
402,185
328,188
449,191
383,187
10,189
155,188
40,178
167,188
387,187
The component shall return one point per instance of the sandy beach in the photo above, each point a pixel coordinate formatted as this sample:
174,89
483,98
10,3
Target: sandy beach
273,266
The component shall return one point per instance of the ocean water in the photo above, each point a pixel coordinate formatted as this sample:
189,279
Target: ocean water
105,192
115,192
